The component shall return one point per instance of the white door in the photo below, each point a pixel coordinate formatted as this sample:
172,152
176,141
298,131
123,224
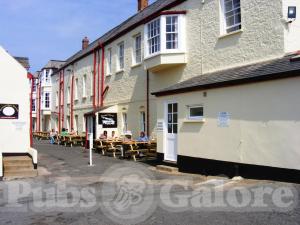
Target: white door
171,130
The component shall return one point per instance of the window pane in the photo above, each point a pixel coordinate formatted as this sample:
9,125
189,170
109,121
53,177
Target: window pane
175,107
169,128
169,118
175,118
175,128
196,112
169,108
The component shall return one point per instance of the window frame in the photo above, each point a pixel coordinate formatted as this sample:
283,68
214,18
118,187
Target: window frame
45,100
121,56
181,35
84,79
33,108
224,27
189,117
137,50
109,62
76,89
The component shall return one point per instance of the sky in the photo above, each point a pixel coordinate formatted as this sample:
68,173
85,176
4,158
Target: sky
53,29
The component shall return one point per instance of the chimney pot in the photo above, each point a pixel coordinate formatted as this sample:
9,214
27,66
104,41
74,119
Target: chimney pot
85,43
142,4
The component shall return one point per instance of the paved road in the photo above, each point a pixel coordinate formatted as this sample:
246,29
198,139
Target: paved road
113,191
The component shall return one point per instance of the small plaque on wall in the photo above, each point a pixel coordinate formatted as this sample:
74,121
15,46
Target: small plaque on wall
160,126
9,111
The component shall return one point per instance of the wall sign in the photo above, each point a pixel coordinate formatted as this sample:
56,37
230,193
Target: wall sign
160,126
223,119
108,120
9,111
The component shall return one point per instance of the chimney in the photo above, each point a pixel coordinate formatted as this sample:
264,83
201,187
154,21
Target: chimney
85,43
142,4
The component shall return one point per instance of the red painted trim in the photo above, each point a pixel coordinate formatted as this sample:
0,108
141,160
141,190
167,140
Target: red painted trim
59,103
30,112
94,80
102,77
105,90
148,104
72,102
98,74
145,20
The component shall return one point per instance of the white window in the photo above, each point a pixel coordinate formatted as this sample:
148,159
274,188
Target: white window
137,49
143,121
153,37
195,112
33,105
76,89
83,123
84,86
47,76
92,84
76,123
165,34
69,95
34,86
121,56
172,32
109,61
56,99
68,123
47,100
231,16
124,120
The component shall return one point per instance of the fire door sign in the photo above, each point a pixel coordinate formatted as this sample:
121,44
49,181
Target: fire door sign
9,111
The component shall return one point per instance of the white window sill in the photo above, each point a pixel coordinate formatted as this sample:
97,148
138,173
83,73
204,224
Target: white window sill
231,33
120,71
194,120
169,52
136,65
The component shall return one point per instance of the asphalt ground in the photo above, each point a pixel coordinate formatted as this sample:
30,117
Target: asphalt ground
115,191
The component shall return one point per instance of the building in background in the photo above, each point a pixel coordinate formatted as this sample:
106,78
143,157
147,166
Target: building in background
15,121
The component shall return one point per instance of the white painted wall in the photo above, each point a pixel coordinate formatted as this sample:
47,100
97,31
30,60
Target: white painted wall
263,129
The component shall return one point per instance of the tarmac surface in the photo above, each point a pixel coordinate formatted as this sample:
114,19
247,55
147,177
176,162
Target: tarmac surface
115,191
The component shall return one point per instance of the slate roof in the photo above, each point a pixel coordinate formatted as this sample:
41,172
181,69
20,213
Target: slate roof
130,23
24,61
54,64
288,66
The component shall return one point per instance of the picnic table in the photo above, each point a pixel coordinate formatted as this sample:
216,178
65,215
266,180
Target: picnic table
71,140
41,135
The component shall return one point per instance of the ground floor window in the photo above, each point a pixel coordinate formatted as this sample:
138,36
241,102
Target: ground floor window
195,112
143,121
124,120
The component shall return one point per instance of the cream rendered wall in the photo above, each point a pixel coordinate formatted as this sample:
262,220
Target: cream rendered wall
262,38
292,30
54,104
263,129
15,89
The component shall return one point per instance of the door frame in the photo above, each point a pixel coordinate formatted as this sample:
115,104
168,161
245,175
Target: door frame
165,126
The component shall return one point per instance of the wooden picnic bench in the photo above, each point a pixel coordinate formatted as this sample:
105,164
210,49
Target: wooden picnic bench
41,135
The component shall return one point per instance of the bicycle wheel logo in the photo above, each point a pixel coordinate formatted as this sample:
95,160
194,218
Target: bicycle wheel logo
128,194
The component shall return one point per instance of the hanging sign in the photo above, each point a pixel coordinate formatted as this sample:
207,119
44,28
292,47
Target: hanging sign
223,119
108,120
9,111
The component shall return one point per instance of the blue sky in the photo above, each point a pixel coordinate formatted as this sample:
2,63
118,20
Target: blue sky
53,29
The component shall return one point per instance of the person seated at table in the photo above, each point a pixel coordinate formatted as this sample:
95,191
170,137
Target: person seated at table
104,135
73,132
52,136
113,135
143,137
127,136
64,132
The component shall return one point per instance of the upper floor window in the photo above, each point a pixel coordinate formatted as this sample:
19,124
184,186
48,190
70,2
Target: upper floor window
34,85
47,100
231,10
76,89
172,32
153,37
47,76
84,86
33,105
109,61
165,34
121,56
56,99
69,95
137,49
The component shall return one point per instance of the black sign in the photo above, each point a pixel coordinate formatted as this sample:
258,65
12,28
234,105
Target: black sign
108,120
9,111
